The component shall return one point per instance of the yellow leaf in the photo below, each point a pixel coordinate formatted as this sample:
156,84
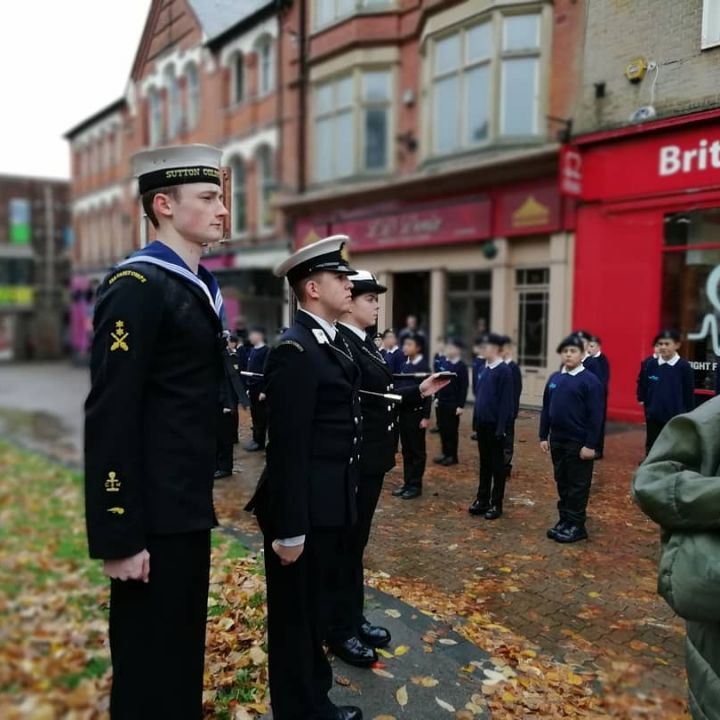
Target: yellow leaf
257,655
402,696
384,717
402,650
383,673
463,715
424,681
574,679
393,613
447,641
529,653
506,569
508,697
594,594
445,705
384,653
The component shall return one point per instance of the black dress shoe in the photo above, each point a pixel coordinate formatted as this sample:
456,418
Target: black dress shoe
493,513
345,712
571,534
397,492
435,430
449,461
473,436
439,459
252,446
411,492
374,635
559,526
354,652
477,508
219,474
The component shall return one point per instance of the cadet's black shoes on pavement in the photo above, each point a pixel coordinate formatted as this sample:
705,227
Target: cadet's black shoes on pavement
493,513
374,635
448,461
560,525
411,492
354,652
571,534
219,474
397,492
477,508
345,712
439,459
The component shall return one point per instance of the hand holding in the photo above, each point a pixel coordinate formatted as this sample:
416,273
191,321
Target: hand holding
136,567
586,453
545,446
424,423
432,385
459,411
261,397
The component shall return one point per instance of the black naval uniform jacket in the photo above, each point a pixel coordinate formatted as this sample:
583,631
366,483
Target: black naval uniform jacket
379,416
314,432
151,415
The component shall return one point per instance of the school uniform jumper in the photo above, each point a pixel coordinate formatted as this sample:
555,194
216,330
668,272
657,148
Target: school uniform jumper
449,400
571,419
256,386
412,436
599,366
491,419
666,389
509,447
232,394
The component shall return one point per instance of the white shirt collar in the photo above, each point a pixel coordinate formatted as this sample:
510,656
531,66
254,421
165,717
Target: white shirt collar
597,354
416,360
329,328
575,371
494,364
258,346
507,361
671,362
360,333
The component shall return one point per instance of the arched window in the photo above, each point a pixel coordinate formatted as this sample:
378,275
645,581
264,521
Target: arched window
174,117
266,187
239,202
266,64
237,78
192,95
155,117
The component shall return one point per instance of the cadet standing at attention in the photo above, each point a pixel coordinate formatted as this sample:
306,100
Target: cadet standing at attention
597,363
507,356
305,501
352,638
256,388
450,401
150,438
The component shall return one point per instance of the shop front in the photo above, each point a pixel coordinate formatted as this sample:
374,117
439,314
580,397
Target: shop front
648,247
498,258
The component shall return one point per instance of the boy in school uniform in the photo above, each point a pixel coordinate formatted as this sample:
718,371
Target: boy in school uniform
478,363
450,401
414,419
597,363
666,386
256,388
570,424
438,362
507,356
492,417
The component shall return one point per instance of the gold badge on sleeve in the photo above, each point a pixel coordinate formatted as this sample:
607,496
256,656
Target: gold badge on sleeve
120,337
112,484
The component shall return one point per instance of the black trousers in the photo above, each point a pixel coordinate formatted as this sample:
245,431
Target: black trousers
509,449
227,437
258,413
573,477
349,614
653,428
412,437
301,601
601,448
491,488
157,632
449,424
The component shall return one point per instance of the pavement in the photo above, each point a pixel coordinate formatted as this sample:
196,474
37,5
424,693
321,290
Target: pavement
592,606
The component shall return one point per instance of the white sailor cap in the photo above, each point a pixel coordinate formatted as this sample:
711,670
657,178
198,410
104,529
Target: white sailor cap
365,282
329,255
176,165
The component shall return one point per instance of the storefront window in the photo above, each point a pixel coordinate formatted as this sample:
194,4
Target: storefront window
533,290
469,304
691,281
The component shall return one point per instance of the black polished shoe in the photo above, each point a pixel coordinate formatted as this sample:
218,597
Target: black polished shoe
571,534
374,635
354,652
493,513
219,474
435,430
345,712
473,436
411,492
252,446
449,461
397,492
559,526
439,459
477,508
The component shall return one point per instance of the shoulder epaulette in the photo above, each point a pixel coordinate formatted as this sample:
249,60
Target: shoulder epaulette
291,343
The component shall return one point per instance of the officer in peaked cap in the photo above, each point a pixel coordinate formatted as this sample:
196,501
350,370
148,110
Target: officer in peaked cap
150,438
352,638
306,498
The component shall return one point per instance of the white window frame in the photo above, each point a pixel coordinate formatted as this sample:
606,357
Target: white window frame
360,7
265,179
239,198
192,95
155,117
237,67
710,37
496,64
174,106
358,107
265,76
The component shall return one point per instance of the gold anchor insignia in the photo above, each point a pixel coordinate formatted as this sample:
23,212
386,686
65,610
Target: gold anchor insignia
116,510
119,336
112,484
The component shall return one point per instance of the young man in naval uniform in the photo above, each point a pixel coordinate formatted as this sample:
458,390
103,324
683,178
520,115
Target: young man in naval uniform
306,498
150,438
352,638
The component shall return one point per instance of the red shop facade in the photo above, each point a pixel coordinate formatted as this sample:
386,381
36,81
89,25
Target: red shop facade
647,252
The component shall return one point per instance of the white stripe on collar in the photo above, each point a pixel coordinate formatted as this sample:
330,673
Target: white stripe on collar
574,371
671,362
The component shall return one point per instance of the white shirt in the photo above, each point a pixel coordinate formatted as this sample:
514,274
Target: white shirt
360,333
494,364
328,327
574,371
671,362
507,361
416,360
